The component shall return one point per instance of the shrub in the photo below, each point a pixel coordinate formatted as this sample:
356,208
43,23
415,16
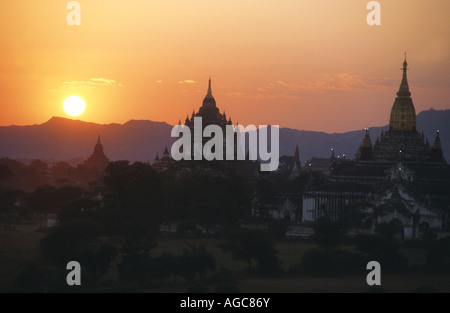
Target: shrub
383,250
198,288
330,262
438,255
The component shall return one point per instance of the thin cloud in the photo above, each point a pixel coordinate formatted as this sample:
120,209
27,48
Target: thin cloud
325,82
105,81
92,83
339,81
187,81
262,94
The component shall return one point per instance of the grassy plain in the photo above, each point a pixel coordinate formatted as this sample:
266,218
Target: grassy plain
21,245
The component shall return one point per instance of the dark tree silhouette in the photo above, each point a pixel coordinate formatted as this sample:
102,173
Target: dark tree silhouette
62,169
331,261
69,241
50,198
39,166
252,246
136,262
383,250
97,259
197,261
438,255
134,199
210,198
5,172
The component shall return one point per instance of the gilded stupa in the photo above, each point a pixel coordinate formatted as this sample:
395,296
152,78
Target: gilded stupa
402,141
403,114
400,180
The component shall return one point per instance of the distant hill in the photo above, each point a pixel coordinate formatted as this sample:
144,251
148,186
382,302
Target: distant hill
66,139
140,140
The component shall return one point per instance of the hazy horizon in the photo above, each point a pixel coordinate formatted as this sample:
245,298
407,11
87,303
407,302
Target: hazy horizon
155,121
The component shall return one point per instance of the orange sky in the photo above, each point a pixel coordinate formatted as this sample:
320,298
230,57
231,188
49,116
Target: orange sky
309,64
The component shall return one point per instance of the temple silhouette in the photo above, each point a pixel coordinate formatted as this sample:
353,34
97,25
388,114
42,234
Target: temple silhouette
399,180
98,161
210,114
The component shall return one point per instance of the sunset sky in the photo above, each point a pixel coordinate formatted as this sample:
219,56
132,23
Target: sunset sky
304,64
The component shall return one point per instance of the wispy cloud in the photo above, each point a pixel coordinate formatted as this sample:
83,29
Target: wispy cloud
159,81
105,81
325,82
339,81
92,83
187,81
262,94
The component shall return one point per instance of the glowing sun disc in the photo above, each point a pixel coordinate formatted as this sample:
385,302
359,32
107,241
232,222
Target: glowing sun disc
74,105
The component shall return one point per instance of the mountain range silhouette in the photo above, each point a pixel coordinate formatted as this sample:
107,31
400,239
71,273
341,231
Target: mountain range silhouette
62,139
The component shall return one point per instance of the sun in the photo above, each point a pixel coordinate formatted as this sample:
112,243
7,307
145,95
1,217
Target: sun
74,105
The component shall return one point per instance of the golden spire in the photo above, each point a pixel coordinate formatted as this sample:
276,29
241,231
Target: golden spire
403,113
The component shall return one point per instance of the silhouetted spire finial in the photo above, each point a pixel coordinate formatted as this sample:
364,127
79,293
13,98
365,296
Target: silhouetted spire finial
209,93
437,141
404,88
